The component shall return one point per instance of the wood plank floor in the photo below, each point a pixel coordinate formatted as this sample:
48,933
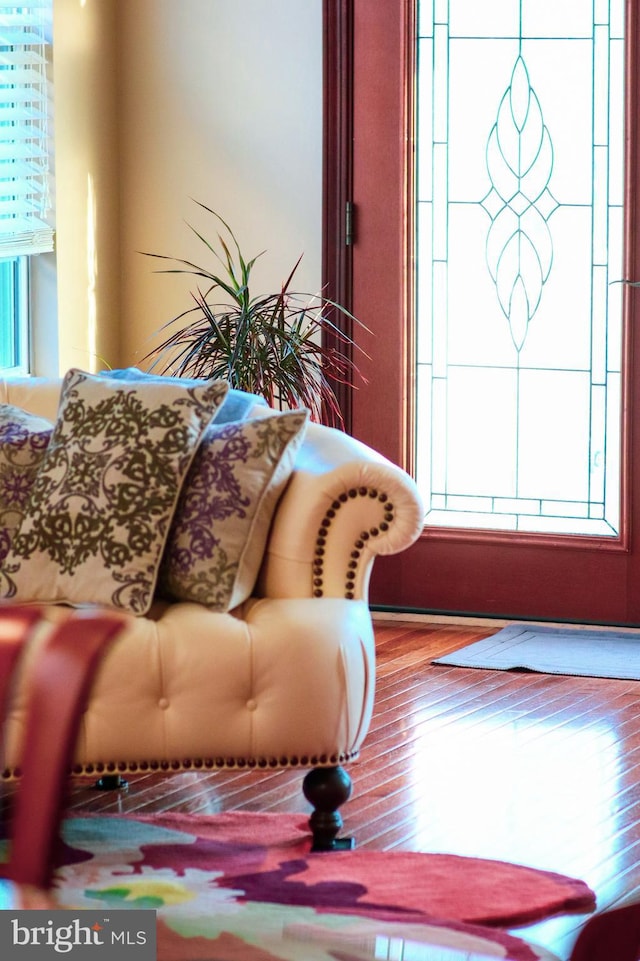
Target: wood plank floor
531,768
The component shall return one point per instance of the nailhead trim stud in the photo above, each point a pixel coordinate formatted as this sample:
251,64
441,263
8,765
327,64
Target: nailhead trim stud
198,764
355,554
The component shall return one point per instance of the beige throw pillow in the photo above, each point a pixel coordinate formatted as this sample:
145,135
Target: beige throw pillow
220,528
102,502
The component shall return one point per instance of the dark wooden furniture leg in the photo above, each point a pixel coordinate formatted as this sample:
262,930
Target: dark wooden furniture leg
326,788
111,782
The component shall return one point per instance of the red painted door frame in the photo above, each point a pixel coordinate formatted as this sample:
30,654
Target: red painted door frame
476,572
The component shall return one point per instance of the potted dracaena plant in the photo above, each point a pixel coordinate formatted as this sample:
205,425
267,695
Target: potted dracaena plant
267,344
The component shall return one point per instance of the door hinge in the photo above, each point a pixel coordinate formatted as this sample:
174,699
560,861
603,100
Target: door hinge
349,218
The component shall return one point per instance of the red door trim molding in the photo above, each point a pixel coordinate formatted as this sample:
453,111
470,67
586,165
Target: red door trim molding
337,172
384,154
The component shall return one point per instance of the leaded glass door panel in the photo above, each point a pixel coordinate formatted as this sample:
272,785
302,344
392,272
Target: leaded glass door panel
520,198
505,372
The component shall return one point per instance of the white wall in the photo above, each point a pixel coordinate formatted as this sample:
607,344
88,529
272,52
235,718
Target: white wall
218,101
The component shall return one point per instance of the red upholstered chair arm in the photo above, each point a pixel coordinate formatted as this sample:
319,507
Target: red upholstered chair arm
59,682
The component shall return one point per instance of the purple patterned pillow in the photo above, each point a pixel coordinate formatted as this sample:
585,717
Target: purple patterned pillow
24,439
219,531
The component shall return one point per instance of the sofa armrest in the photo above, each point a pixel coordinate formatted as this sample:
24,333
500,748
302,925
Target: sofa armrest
38,395
344,505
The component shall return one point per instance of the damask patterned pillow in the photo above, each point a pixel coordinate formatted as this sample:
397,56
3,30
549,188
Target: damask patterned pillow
223,516
236,406
24,439
102,502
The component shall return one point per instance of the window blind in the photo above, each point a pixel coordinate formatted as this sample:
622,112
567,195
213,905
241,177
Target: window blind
25,31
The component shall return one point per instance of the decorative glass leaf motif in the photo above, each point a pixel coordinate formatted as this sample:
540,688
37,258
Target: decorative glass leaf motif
519,249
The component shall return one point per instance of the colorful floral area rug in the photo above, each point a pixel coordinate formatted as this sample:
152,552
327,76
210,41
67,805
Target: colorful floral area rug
245,887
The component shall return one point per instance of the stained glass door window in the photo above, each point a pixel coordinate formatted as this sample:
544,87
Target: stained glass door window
519,262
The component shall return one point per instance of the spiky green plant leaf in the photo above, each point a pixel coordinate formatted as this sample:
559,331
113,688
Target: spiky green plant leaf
270,344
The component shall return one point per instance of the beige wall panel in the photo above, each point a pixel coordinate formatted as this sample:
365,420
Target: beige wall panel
86,194
220,101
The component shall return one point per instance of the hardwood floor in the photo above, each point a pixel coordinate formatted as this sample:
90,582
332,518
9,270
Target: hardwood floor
531,768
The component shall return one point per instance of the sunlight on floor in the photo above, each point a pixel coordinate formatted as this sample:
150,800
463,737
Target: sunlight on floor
509,787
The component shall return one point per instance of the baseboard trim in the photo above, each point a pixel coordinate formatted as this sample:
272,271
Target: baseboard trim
469,620
473,620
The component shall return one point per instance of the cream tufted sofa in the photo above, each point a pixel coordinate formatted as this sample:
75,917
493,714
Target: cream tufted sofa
286,679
